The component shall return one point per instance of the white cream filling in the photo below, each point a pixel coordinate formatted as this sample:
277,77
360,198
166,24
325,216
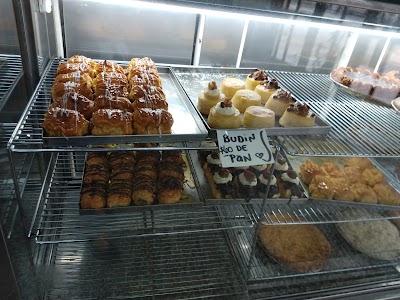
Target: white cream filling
213,161
222,180
279,167
243,180
226,111
264,180
285,177
213,93
260,167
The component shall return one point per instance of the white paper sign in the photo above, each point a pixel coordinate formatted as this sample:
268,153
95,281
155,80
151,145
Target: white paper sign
239,148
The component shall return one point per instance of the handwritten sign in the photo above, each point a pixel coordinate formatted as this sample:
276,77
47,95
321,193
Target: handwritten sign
239,148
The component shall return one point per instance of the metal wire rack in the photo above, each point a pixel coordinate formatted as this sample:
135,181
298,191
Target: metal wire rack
189,266
359,127
58,218
343,259
10,73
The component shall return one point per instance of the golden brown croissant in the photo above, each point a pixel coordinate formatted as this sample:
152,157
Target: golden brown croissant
149,121
80,59
111,122
145,79
111,84
59,89
145,62
75,101
64,122
77,77
122,103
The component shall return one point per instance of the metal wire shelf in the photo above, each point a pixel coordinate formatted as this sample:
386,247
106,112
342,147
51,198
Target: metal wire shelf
57,217
343,259
359,128
190,266
10,73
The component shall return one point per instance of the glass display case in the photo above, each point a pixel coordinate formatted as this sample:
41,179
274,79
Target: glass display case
287,238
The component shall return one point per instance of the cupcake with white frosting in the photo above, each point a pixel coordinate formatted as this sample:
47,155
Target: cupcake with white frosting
291,184
209,98
224,182
247,181
281,166
263,178
213,161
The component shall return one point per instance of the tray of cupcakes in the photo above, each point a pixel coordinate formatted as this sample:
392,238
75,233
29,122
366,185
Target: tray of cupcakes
120,181
105,102
219,185
247,98
346,181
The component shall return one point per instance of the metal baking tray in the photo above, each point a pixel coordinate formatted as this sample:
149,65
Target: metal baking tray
206,194
195,80
190,195
296,161
187,123
370,98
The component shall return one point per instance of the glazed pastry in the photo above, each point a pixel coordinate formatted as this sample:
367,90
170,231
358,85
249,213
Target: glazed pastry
258,117
145,78
330,168
59,89
152,121
169,190
121,103
266,88
107,66
279,102
247,182
290,185
360,162
353,175
156,101
117,158
342,190
308,171
245,98
170,169
364,193
174,156
273,191
224,115
112,84
80,59
386,194
119,193
93,195
111,122
373,176
77,77
301,248
96,173
209,98
64,122
75,101
143,190
65,68
297,115
230,86
97,158
322,187
144,63
255,78
140,91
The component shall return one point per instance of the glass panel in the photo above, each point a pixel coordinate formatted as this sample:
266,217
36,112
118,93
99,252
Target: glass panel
8,30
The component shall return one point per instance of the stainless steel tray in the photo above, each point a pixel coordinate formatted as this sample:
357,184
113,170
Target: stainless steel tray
206,194
190,195
195,80
187,124
370,98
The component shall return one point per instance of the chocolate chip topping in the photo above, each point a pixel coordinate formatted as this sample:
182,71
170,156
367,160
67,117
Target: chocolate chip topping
300,109
283,96
270,83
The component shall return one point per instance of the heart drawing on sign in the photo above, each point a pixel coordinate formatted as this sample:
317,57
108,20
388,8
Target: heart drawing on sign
259,155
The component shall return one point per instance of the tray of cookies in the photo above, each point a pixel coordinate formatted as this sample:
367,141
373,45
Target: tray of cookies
346,181
234,185
228,98
370,86
105,102
121,180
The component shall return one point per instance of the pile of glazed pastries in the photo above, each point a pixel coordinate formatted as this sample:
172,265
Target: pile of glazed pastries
105,99
124,178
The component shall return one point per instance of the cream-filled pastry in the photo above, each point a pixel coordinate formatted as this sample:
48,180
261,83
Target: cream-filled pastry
279,101
258,117
255,78
297,115
224,115
230,86
209,98
245,98
266,88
